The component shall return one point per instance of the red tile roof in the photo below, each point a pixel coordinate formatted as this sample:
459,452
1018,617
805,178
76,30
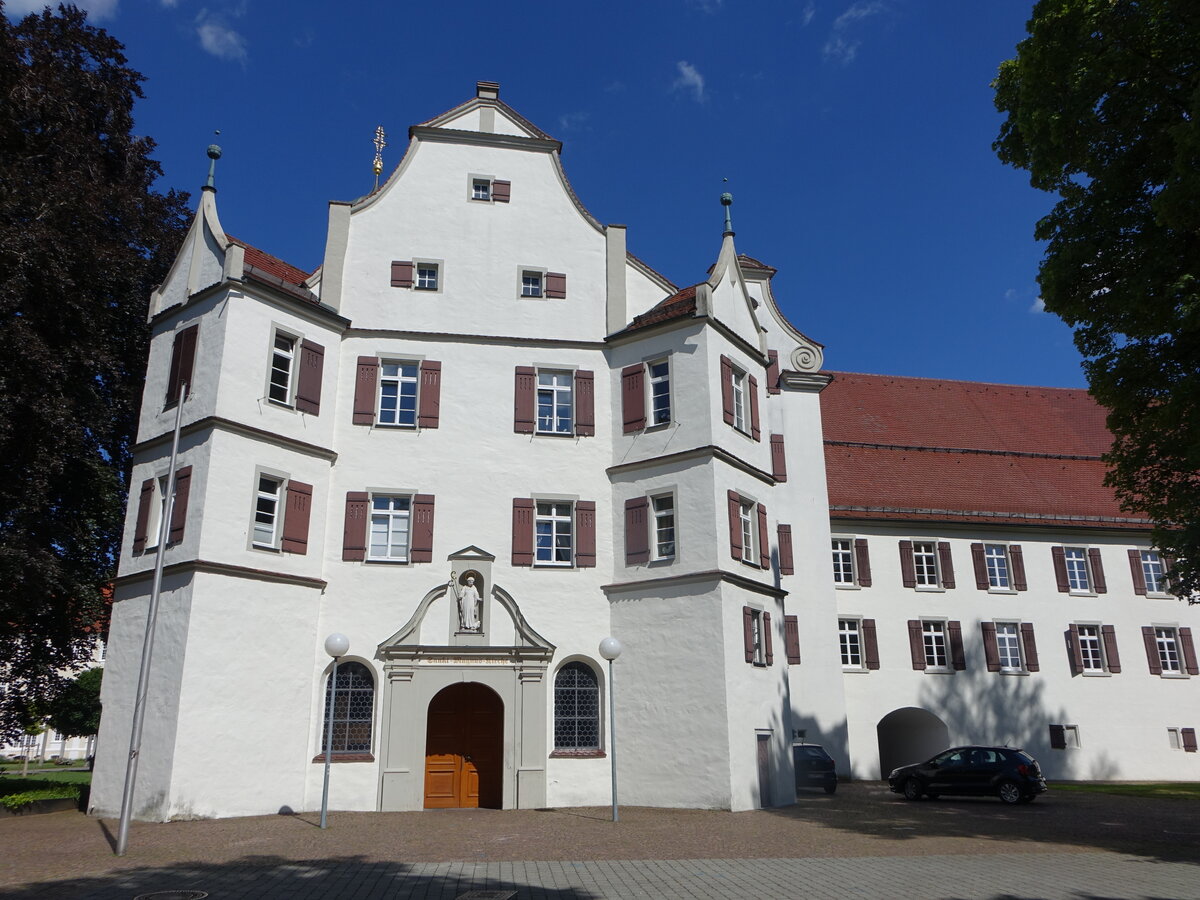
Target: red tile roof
917,448
680,304
271,264
751,263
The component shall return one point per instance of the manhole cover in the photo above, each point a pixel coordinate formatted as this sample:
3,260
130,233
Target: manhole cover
173,895
486,895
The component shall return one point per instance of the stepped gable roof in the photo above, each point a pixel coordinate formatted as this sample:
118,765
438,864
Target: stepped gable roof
272,265
962,451
681,303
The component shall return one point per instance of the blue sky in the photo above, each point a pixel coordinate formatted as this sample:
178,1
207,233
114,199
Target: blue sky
856,136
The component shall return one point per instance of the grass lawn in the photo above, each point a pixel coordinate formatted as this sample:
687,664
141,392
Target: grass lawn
17,792
1182,790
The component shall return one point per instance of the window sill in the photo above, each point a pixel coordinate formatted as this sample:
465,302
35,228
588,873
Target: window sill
847,587
930,588
1095,674
555,434
578,754
1175,675
1083,593
394,426
930,670
1022,673
662,561
266,548
1000,590
854,670
386,562
345,758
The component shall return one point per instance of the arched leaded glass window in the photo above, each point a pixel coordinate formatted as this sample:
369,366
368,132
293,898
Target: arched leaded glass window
353,709
576,708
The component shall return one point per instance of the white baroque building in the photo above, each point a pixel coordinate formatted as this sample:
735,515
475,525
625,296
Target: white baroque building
483,436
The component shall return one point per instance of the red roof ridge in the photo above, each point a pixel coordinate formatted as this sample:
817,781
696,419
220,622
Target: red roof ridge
929,380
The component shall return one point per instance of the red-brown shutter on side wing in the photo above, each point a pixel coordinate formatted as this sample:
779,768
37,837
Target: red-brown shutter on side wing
1058,737
748,633
916,644
870,644
402,273
755,431
1189,651
637,531
585,531
1074,651
908,569
1135,569
862,562
523,396
946,564
778,458
1018,567
1030,644
786,566
979,561
501,191
522,531
556,285
1060,569
735,524
183,489
773,372
633,398
1111,656
791,639
297,511
764,539
308,380
430,395
990,652
585,403
1189,739
768,639
354,528
183,362
727,389
142,524
1099,585
1152,657
421,546
366,381
958,658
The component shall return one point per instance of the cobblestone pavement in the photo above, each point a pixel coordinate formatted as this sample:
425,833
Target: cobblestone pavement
863,842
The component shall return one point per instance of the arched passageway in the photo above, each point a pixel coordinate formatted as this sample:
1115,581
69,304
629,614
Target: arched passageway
909,735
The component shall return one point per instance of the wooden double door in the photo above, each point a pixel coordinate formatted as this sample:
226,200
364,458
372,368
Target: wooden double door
464,748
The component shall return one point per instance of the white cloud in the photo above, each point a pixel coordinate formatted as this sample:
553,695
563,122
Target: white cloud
840,46
1039,306
219,39
806,14
96,9
839,49
859,11
170,4
573,121
689,79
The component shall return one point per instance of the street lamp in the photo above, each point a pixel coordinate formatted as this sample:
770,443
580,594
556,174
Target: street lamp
610,649
336,645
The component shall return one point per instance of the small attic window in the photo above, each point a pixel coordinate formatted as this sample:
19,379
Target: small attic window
481,189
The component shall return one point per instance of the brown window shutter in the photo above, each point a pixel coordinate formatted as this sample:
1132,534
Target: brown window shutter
556,285
862,562
1099,585
980,563
501,191
791,639
764,539
1074,653
727,389
402,273
633,398
183,362
522,531
308,380
523,405
916,644
735,525
1189,651
778,458
752,387
870,644
768,639
637,531
421,545
958,658
1111,656
1060,569
990,652
585,404
748,633
366,383
183,488
1152,659
786,566
354,530
1189,739
1135,569
585,534
297,511
946,564
142,524
430,397
1030,645
908,569
1018,567
1058,737
773,372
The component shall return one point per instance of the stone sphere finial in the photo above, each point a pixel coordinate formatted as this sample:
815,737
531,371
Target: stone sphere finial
727,199
214,152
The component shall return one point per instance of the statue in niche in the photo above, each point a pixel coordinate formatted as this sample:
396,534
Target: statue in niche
470,604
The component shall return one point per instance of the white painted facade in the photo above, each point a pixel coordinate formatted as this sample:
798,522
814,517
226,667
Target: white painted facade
237,703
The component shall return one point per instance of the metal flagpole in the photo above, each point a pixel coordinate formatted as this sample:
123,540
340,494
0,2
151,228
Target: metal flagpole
329,742
139,707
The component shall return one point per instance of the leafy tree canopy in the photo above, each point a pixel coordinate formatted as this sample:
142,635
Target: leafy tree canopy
75,712
84,238
1103,108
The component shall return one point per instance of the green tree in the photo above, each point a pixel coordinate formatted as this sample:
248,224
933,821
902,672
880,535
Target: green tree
75,712
1103,108
84,238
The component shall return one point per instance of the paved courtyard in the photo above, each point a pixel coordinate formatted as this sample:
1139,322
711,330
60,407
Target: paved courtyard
863,842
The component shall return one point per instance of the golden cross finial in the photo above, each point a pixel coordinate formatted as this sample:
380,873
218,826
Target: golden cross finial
380,143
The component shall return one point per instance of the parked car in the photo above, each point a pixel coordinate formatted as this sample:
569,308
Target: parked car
1012,775
814,767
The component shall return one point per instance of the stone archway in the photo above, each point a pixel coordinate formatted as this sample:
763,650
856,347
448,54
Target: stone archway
909,735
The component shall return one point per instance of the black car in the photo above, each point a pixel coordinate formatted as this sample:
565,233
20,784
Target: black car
1012,775
814,767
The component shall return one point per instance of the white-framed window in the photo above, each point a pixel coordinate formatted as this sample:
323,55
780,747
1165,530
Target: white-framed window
1091,649
999,572
746,524
850,642
1167,642
481,189
1154,571
426,275
555,402
267,517
663,507
554,538
925,563
391,525
1008,646
281,386
660,392
1078,578
843,562
933,638
531,283
758,636
398,381
740,415
1174,739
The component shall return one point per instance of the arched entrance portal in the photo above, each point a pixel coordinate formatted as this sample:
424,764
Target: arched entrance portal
464,748
909,735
